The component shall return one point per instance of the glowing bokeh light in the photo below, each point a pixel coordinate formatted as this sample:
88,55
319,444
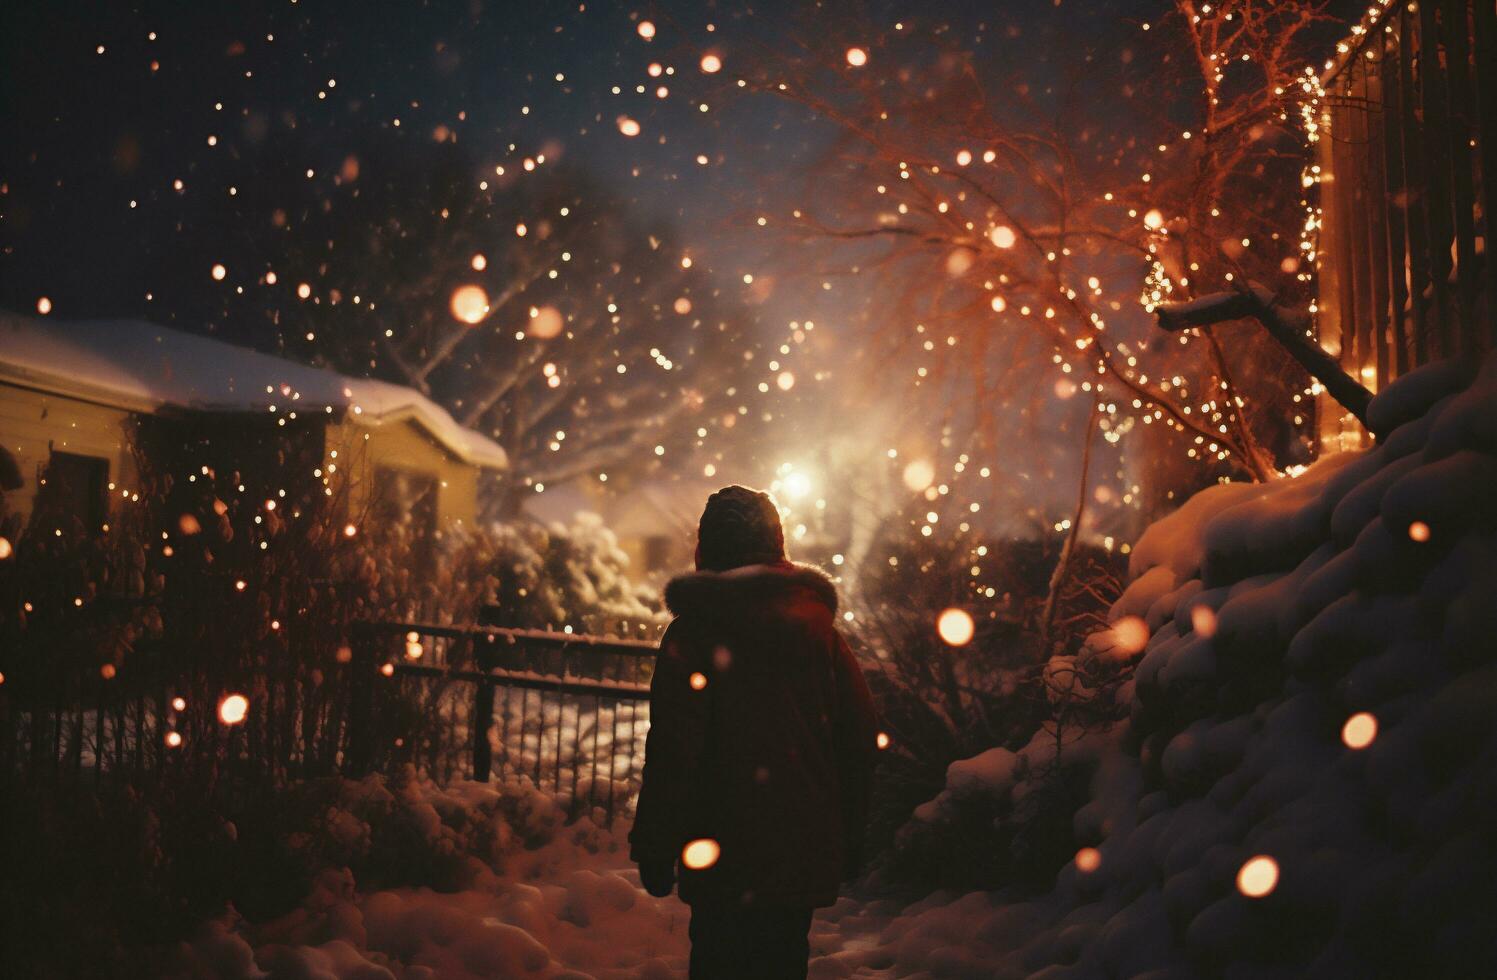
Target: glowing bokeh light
1088,859
628,126
219,271
44,305
955,627
1360,730
5,549
480,262
711,63
646,29
882,740
545,322
785,381
1003,236
857,57
1130,635
919,474
1258,876
1419,531
173,740
700,854
1203,620
470,304
698,681
179,704
1153,219
233,709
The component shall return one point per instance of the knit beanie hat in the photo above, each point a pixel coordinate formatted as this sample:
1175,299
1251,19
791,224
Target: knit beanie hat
739,527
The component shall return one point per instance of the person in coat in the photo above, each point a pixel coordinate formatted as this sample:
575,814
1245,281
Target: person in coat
761,747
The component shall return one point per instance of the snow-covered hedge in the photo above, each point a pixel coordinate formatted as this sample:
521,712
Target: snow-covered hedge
1273,615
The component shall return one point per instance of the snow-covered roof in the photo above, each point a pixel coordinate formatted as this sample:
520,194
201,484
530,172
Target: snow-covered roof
143,367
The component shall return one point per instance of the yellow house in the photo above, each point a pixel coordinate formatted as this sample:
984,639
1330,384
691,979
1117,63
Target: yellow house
71,392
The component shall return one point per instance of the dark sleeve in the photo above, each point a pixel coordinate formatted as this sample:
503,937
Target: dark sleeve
857,747
673,750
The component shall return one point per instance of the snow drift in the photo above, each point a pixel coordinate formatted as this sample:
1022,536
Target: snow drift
1275,613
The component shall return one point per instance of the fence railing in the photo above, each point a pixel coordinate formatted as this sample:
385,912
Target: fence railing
568,712
1407,157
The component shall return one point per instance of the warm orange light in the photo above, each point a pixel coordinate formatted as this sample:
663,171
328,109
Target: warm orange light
304,290
1130,635
179,704
1003,236
1419,531
107,672
646,29
241,585
188,524
413,650
173,740
955,627
711,63
350,530
387,669
480,262
469,304
1258,877
700,854
698,681
545,322
5,549
219,271
882,741
918,475
44,305
232,709
1088,859
1153,219
857,57
1360,730
682,305
1203,620
785,381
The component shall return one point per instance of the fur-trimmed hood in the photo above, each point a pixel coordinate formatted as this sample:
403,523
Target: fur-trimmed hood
697,591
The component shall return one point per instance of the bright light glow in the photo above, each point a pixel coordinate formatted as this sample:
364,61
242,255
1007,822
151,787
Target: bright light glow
349,530
711,63
179,704
698,681
700,854
857,57
480,262
44,305
796,485
785,381
646,29
173,740
470,304
918,475
1153,219
1360,730
219,271
5,549
1203,620
232,709
1258,877
955,627
629,127
1419,531
1130,635
413,650
545,322
1088,859
882,740
1003,236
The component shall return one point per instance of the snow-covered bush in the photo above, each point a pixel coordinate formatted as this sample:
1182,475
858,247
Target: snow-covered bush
940,704
1306,781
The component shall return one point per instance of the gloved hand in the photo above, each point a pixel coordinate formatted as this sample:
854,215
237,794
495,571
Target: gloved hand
658,875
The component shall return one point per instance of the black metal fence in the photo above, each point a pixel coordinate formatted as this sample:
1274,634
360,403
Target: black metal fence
567,712
1407,153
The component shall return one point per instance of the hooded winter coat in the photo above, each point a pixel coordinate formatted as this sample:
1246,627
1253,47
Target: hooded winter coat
762,739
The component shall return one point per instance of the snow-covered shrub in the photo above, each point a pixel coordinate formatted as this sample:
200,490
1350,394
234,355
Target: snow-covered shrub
1306,781
940,704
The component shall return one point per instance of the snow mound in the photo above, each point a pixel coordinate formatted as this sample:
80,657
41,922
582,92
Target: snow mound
1318,688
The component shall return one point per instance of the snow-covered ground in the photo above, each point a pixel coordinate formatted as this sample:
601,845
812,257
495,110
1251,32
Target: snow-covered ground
1306,783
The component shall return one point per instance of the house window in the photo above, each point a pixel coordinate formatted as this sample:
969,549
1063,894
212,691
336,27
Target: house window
75,488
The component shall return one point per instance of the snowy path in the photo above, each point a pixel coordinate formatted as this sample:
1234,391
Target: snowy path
572,908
